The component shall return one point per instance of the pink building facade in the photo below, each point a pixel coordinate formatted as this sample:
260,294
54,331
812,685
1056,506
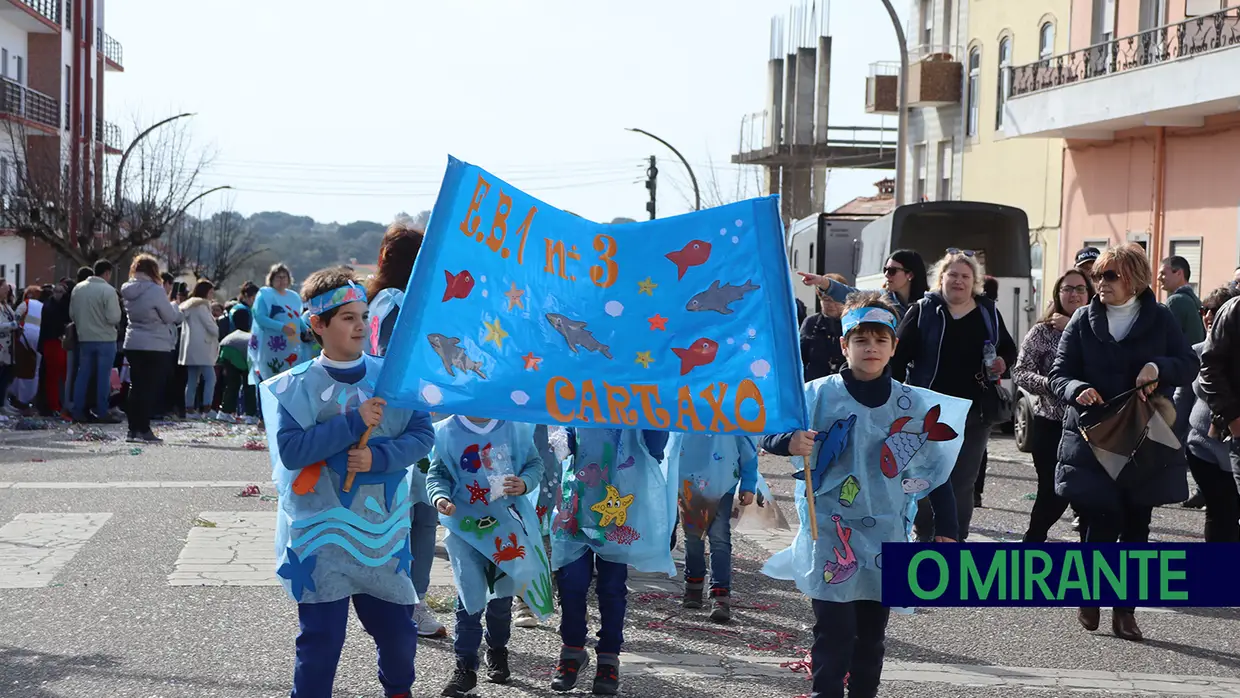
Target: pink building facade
1151,122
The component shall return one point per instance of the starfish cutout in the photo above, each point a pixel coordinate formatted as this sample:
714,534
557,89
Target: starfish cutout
299,573
495,333
478,492
647,287
514,297
658,322
613,507
531,361
643,358
403,558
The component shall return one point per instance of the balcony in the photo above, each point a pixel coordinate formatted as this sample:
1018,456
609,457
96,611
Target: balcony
1166,76
935,75
113,52
851,147
38,16
108,135
882,88
27,107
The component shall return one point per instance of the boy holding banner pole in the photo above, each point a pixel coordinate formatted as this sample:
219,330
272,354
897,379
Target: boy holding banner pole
875,448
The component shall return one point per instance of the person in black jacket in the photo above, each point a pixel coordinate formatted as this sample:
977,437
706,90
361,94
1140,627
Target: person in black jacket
1122,340
1219,381
820,337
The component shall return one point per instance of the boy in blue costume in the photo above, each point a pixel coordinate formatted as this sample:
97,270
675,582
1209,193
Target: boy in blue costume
339,541
616,509
712,468
877,447
480,471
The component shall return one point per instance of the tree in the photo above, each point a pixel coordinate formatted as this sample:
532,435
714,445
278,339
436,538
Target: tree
213,248
156,181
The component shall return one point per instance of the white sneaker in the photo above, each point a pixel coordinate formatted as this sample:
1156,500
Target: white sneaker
428,625
523,617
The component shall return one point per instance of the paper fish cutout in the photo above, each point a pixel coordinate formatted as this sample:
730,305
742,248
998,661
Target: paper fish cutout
845,565
575,333
718,298
900,447
694,252
700,353
834,441
459,285
453,356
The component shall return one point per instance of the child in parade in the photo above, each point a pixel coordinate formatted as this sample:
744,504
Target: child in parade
544,499
480,471
875,448
616,510
342,532
711,468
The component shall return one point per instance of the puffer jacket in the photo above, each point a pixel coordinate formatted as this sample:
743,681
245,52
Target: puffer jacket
152,317
1089,357
200,338
1220,371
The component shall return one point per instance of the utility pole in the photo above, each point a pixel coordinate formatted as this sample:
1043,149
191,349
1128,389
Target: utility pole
697,194
902,131
652,182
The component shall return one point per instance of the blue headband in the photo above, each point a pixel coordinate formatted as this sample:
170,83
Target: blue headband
880,316
335,298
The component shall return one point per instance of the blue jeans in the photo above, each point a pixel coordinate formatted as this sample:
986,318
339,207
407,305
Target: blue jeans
720,534
322,637
94,359
422,529
197,373
849,639
612,590
468,636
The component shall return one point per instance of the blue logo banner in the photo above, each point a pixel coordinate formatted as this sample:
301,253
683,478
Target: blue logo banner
1061,574
517,310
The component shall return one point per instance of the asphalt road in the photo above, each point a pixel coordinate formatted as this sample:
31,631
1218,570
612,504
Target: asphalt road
108,622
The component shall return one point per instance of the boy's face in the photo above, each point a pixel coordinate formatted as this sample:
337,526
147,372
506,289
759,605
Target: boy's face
868,353
343,337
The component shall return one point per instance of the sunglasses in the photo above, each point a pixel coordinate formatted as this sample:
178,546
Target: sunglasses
892,271
1074,289
957,250
1109,276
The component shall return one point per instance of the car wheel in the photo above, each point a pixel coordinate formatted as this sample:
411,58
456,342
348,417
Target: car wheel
1022,424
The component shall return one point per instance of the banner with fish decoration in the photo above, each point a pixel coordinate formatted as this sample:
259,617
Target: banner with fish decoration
530,313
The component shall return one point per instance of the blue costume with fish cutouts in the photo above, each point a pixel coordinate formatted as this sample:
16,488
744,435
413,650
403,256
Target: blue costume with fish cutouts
275,334
332,544
869,468
493,540
711,466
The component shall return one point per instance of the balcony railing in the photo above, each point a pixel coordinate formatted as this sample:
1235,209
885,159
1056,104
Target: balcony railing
23,102
47,8
108,133
111,49
1164,44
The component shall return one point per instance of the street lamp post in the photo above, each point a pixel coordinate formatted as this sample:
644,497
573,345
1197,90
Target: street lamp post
697,195
902,132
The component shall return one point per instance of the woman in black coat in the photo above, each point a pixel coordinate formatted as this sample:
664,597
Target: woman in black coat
1124,338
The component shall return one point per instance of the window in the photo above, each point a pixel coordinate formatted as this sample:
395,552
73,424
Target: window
1005,79
975,74
1036,271
68,95
1196,8
1104,21
927,23
4,176
1190,250
18,72
4,62
919,165
945,171
1046,41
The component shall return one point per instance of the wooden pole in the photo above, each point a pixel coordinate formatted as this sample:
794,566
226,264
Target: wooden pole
809,498
348,481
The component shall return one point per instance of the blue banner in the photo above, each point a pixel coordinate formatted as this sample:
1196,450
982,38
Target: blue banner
1061,574
517,310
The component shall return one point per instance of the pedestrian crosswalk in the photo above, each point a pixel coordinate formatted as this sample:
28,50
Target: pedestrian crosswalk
35,547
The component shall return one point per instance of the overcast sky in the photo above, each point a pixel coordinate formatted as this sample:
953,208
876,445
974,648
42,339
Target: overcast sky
348,110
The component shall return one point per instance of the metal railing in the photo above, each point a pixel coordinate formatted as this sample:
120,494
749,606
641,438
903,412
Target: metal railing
1164,44
23,102
47,8
938,52
885,69
110,135
111,49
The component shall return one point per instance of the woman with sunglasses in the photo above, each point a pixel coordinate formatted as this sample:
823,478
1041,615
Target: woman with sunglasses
1032,372
905,283
1208,455
1124,339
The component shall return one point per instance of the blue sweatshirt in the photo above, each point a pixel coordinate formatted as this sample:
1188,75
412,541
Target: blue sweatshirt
302,447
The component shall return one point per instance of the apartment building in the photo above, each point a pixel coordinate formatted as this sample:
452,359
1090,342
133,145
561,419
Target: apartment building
54,59
1145,98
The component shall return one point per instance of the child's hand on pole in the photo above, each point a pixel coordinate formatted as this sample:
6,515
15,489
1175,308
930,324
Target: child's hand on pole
360,460
746,498
802,443
372,411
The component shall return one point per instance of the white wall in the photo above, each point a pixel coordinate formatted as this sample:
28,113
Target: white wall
13,38
12,253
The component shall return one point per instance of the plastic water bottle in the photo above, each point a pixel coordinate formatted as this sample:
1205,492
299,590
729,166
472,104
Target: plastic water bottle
988,357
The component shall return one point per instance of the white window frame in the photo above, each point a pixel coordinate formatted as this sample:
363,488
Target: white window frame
1004,85
946,160
919,168
1194,277
973,91
1046,41
927,24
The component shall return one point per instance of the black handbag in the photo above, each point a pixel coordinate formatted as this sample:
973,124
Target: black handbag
996,403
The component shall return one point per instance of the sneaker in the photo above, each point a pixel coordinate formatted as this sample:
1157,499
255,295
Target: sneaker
149,438
607,680
462,682
428,625
693,594
497,665
721,611
133,438
523,617
109,418
1197,501
567,670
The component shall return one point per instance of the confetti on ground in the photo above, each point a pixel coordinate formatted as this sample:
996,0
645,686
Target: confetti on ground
37,460
91,434
654,596
217,433
757,606
203,523
782,641
441,604
31,424
249,491
135,451
802,665
1031,497
268,498
255,445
